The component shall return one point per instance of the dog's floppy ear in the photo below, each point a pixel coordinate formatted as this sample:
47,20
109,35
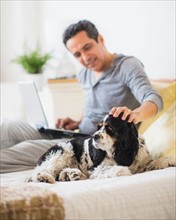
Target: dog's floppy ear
127,144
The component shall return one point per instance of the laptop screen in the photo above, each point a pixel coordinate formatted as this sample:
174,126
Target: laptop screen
33,105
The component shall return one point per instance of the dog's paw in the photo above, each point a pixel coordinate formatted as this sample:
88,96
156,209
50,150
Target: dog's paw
43,177
124,171
163,162
69,174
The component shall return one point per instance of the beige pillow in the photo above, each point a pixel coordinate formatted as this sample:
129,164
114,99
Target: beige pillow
167,92
160,136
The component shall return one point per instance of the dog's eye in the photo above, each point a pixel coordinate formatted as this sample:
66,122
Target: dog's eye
109,129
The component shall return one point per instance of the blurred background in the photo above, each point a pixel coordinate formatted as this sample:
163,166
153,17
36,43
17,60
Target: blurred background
145,29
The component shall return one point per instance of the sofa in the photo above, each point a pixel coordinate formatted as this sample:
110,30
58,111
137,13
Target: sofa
150,195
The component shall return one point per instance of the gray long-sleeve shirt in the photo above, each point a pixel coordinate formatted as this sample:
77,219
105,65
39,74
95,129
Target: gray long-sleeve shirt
124,83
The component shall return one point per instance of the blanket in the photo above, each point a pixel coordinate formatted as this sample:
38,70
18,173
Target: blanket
150,195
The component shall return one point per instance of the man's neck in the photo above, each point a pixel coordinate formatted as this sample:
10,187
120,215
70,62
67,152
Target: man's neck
109,61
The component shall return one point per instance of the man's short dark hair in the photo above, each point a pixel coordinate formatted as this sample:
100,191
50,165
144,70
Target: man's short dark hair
82,25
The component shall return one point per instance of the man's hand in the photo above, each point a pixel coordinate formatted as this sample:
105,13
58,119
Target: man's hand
145,111
67,123
133,116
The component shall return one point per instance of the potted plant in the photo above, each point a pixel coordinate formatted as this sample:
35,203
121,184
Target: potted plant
33,63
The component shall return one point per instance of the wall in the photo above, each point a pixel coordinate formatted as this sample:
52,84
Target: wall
19,33
145,29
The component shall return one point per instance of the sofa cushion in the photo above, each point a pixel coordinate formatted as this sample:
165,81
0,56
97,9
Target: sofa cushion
160,136
167,92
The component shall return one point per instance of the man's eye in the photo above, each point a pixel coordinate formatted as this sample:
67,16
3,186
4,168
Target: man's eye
87,47
77,55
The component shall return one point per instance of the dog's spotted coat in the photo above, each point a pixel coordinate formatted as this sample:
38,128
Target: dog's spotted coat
113,150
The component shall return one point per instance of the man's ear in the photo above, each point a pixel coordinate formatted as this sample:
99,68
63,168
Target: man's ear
100,39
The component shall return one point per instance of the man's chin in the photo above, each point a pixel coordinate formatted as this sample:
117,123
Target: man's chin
95,69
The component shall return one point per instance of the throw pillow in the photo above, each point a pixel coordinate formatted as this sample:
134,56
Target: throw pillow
168,94
160,136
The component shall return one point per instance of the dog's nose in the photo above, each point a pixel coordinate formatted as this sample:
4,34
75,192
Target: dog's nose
96,137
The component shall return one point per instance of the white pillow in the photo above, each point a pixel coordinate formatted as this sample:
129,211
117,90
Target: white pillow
160,136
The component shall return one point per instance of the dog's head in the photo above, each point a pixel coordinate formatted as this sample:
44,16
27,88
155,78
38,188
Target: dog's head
118,138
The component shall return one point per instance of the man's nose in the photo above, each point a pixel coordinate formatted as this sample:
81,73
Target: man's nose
86,58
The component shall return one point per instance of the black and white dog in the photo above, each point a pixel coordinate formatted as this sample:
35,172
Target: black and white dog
113,150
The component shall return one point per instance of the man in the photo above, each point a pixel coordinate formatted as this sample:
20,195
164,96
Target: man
112,83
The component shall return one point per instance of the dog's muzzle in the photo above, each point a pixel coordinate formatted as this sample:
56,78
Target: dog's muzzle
96,137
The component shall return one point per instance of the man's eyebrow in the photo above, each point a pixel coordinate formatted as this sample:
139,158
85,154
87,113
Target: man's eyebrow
88,44
85,45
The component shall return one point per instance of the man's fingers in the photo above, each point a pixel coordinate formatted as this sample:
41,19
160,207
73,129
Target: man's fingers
126,113
131,118
62,122
71,126
112,111
117,110
57,123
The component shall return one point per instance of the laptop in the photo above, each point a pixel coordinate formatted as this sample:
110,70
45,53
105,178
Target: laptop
36,114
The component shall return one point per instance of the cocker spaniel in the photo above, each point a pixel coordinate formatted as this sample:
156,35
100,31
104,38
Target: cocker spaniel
113,150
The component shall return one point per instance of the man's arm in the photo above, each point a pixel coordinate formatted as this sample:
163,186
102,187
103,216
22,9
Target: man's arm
147,110
137,81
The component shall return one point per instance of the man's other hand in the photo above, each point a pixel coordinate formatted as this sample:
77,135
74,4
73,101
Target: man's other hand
67,123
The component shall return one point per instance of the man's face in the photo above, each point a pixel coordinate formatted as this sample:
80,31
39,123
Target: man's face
87,51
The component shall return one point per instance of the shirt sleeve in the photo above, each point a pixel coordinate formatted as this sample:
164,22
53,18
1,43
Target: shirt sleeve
136,80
